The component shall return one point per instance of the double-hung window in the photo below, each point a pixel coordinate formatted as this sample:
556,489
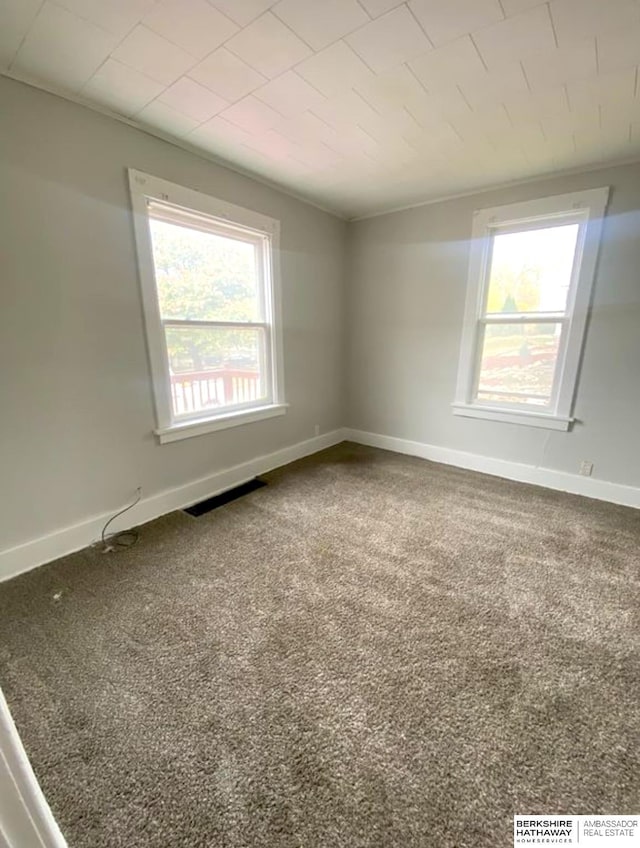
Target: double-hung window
208,275
531,272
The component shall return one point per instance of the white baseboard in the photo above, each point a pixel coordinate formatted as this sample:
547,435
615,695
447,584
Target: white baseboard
14,561
590,487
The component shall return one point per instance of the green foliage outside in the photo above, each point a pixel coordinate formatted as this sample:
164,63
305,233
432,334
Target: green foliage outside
202,276
514,289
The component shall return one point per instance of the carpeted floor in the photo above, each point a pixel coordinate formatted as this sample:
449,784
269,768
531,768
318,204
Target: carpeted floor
373,650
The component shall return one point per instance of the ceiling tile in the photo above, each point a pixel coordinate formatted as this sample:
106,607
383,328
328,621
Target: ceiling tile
318,157
586,120
444,103
230,143
552,68
334,69
62,49
117,16
153,55
575,20
393,146
394,149
252,115
289,94
268,46
378,115
347,108
455,61
603,144
391,90
307,128
399,119
275,145
17,17
436,139
160,116
250,158
512,39
618,50
227,75
616,117
487,122
193,25
620,134
399,126
495,85
354,143
543,154
321,23
514,7
193,100
390,40
121,88
379,7
289,170
518,137
217,133
618,87
445,21
242,11
539,104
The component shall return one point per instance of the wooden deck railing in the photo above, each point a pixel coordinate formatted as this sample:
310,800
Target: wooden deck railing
193,391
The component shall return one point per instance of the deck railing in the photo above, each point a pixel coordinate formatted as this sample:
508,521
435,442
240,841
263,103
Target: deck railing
194,391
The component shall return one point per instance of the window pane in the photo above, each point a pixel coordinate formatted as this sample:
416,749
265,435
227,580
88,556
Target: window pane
214,367
203,275
518,363
531,270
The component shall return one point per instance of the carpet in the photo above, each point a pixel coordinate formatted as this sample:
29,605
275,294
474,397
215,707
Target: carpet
373,650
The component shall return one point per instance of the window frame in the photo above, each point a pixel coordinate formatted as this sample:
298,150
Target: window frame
587,209
222,218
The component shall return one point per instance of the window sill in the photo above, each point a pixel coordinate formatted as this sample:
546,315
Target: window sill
513,416
221,422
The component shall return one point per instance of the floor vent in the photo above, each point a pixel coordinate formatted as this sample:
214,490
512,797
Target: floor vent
203,507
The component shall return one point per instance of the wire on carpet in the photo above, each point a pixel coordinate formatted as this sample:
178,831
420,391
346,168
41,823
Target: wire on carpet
123,539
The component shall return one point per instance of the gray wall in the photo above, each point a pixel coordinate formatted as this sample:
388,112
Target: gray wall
76,406
77,415
406,293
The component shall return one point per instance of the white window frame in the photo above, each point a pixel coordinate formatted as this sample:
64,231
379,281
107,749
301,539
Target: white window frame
253,227
587,209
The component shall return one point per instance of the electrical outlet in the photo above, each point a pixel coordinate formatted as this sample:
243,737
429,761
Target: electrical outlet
586,468
316,429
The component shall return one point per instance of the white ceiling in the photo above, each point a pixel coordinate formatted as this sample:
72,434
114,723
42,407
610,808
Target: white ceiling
359,105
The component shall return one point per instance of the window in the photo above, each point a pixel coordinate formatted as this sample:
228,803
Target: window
531,272
211,308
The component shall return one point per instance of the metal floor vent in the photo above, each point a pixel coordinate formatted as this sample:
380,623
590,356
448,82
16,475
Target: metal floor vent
226,497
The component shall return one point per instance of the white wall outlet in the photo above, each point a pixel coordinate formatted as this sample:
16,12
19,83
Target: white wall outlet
586,468
316,429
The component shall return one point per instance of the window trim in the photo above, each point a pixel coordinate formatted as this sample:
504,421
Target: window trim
587,208
169,427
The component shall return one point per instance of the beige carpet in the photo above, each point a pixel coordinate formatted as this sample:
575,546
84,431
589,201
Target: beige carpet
371,651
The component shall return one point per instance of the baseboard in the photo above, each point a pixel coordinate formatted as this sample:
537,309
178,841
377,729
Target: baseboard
14,561
560,480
